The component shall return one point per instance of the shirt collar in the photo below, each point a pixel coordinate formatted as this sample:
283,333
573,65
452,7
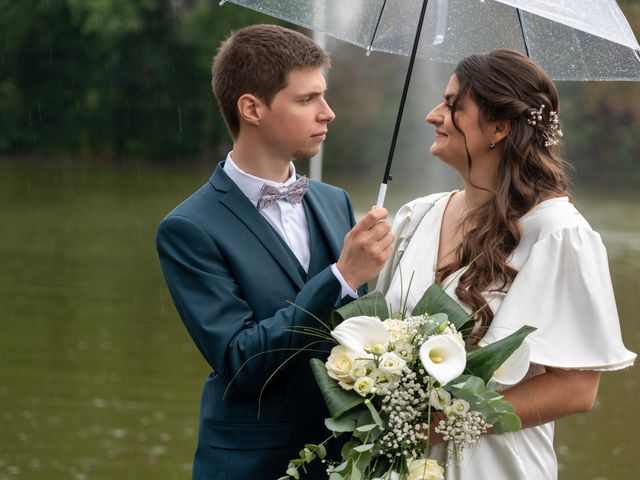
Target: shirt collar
251,185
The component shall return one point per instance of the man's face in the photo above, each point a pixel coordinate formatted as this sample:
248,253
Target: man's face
295,124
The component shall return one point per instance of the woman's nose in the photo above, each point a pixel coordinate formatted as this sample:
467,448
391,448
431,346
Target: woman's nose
434,117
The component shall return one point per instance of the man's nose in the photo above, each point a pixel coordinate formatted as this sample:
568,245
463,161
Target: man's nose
327,115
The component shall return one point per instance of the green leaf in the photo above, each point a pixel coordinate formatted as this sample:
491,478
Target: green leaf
435,300
346,452
356,474
484,361
321,451
374,414
366,428
382,466
346,423
363,461
372,304
337,399
365,447
508,422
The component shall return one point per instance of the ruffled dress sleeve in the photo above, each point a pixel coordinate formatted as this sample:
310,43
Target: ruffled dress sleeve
563,288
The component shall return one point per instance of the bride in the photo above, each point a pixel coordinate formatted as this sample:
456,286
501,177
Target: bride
513,249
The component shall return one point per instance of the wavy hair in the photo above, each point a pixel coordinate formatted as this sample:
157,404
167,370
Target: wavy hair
506,86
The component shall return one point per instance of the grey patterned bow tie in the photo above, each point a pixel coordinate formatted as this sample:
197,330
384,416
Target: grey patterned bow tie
293,193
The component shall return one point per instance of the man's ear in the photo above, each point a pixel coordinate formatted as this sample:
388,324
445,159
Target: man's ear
501,130
249,108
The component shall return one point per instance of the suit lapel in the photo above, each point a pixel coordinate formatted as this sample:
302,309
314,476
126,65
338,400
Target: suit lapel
234,200
325,224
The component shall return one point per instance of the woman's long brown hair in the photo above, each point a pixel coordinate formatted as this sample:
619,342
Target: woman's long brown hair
506,86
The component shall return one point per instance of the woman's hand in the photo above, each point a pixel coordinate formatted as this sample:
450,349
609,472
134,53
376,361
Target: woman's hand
435,437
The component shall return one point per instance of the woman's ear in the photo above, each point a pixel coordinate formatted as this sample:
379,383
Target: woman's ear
249,108
501,130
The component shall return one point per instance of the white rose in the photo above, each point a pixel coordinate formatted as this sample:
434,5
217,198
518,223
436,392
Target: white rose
392,363
425,469
364,385
443,358
360,334
359,370
339,364
384,380
439,398
459,407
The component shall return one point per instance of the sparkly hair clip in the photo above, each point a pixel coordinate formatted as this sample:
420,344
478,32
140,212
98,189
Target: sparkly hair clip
552,130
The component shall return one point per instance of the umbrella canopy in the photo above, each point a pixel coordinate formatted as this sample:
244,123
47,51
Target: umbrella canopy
569,39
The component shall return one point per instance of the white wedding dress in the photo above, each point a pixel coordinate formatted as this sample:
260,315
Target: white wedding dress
563,288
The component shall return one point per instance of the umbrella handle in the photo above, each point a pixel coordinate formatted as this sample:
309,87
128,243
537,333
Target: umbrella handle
381,194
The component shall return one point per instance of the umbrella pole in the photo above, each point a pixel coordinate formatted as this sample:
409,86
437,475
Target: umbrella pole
387,172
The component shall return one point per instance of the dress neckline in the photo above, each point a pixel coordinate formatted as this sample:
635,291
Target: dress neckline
446,199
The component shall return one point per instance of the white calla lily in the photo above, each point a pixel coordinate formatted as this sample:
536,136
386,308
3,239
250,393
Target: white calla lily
515,367
443,358
361,333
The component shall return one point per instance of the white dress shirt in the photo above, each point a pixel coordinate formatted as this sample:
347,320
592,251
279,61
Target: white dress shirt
289,220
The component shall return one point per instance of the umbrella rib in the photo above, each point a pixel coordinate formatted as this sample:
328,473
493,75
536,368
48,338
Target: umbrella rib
375,30
524,35
403,99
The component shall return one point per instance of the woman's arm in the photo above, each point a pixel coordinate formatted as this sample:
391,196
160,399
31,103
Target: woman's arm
545,398
553,395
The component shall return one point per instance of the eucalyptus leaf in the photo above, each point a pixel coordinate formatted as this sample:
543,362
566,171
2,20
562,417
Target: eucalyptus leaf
364,448
337,399
366,428
347,450
363,460
374,414
321,450
345,423
484,361
509,422
356,474
372,304
435,300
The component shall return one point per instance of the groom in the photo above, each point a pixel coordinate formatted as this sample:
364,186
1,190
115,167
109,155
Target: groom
257,252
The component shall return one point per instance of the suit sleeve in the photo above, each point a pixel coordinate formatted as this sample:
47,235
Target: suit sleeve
239,346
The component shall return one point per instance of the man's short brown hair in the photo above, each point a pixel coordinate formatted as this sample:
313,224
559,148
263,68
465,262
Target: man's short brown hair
256,60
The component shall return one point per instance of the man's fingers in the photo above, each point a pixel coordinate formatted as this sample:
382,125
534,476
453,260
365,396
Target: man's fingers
379,231
374,216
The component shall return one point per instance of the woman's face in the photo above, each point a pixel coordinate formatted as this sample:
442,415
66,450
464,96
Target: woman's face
449,144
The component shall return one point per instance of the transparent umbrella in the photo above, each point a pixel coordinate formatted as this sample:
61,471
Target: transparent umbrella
569,39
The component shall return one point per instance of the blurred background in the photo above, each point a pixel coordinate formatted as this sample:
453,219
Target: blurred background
107,121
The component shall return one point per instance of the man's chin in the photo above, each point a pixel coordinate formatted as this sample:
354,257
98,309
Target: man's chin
305,155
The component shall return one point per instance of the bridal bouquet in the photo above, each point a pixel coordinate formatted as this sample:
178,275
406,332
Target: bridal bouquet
389,383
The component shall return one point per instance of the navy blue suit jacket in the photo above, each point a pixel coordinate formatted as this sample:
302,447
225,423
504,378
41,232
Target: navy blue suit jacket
239,291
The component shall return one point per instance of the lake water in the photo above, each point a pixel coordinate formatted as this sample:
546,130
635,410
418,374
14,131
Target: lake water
99,379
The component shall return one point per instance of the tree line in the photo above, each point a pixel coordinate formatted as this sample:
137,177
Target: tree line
115,78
